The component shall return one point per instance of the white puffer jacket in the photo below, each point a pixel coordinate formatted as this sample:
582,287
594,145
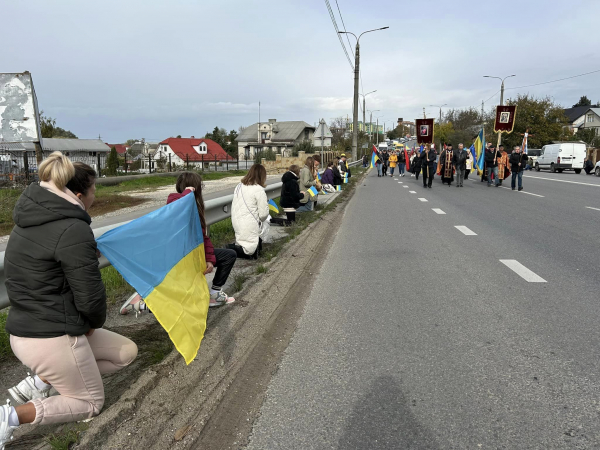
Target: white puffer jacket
249,208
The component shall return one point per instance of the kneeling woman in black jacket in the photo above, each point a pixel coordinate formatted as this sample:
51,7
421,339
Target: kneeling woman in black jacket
58,302
290,192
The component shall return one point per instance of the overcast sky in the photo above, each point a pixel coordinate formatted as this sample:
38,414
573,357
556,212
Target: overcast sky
131,69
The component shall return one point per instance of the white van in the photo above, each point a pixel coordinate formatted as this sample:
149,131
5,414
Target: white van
561,156
383,146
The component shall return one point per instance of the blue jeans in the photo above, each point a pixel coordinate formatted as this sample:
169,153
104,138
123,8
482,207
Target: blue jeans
401,168
489,172
379,167
392,170
307,207
516,175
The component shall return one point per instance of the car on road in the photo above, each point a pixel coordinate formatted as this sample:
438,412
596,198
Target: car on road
597,171
533,154
561,156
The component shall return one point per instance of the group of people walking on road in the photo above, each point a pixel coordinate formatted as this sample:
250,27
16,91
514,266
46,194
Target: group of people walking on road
456,165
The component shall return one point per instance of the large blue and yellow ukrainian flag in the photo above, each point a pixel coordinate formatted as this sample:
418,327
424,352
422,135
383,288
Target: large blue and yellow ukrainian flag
374,157
161,255
480,152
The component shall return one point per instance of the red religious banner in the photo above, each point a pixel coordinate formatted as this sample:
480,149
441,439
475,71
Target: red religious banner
505,119
424,131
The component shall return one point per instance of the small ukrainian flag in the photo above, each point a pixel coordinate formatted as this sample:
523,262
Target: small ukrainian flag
338,188
318,176
313,191
273,207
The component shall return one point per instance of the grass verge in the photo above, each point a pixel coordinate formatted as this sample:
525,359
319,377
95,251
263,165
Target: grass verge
67,437
5,350
116,286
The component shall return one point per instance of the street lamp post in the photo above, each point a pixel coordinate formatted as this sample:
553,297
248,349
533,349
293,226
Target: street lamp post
371,124
356,77
364,107
440,123
501,98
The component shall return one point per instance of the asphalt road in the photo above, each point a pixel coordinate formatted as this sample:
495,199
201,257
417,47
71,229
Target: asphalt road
417,336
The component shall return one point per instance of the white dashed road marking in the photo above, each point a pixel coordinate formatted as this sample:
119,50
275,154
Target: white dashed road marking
405,186
562,181
423,199
524,192
589,207
522,271
464,230
413,192
438,211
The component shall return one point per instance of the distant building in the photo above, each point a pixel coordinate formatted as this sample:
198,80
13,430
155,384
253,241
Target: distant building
368,127
192,151
277,136
583,117
407,127
88,151
120,148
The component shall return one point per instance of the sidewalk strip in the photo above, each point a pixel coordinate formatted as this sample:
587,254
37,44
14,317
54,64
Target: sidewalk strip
522,271
464,230
596,209
423,199
438,211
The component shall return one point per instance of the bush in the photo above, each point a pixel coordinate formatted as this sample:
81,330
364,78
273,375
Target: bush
306,146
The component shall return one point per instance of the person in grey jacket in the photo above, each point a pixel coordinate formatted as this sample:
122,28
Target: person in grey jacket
58,302
306,181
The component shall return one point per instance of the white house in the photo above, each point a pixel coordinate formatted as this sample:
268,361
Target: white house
189,151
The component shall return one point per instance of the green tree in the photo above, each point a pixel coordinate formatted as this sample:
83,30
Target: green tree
583,101
130,142
50,130
303,146
113,162
231,147
589,136
545,120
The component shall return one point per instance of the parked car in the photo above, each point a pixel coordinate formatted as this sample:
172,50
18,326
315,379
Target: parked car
533,154
597,169
561,156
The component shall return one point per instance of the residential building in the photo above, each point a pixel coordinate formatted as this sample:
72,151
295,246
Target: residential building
277,136
368,127
144,152
92,152
583,117
120,148
407,127
192,151
323,135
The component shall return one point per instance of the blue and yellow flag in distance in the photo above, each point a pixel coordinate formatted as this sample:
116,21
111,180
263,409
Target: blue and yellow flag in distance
480,152
338,188
273,206
474,155
313,191
161,255
374,157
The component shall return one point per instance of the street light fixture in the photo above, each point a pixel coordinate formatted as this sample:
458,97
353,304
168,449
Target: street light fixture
364,106
440,106
356,73
501,98
371,123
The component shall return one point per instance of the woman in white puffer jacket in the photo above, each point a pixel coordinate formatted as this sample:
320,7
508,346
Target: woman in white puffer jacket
249,209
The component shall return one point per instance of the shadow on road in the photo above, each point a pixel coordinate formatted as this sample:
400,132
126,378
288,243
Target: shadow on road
383,419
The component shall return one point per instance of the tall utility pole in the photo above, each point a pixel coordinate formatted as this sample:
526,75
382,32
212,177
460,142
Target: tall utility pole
356,82
371,124
501,99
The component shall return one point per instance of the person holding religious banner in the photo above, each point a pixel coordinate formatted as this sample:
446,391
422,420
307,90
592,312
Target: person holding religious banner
503,170
445,166
491,163
459,161
415,164
428,157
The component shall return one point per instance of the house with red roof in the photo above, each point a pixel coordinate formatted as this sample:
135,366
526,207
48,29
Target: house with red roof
193,151
121,148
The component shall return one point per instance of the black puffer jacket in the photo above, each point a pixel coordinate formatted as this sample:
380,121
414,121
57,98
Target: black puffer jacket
290,191
52,275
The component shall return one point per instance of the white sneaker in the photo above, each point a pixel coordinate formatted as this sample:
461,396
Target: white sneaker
26,391
220,298
6,430
134,303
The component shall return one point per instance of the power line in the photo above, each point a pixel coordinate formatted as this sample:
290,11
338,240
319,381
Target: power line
554,81
337,31
344,25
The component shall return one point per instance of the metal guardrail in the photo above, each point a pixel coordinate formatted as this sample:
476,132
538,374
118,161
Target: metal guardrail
215,210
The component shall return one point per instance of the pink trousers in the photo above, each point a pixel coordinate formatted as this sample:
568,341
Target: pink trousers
73,365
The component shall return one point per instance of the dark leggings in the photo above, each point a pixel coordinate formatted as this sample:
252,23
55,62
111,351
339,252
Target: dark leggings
239,250
225,261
